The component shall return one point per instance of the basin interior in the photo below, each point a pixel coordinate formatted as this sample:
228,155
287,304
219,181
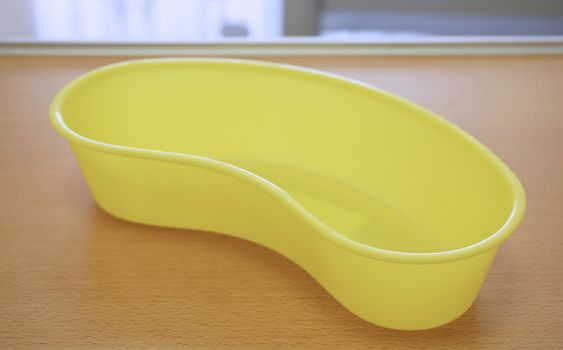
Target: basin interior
372,167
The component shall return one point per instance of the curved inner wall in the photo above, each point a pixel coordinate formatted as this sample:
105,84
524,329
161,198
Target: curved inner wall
370,167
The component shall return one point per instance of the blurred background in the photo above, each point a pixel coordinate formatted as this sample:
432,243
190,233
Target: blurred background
183,21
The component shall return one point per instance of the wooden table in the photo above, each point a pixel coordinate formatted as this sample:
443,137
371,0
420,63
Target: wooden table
71,275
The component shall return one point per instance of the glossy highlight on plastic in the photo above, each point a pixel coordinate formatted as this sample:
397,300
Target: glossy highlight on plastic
396,212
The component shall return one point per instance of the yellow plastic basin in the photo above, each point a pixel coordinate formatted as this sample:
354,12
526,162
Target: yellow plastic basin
392,209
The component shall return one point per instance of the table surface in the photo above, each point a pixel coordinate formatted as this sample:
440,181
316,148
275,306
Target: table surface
71,275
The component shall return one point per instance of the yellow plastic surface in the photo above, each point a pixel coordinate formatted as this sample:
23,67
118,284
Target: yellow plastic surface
395,211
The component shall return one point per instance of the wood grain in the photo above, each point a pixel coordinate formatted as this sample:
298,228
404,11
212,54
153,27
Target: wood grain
73,276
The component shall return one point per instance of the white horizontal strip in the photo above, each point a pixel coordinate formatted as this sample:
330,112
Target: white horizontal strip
295,47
